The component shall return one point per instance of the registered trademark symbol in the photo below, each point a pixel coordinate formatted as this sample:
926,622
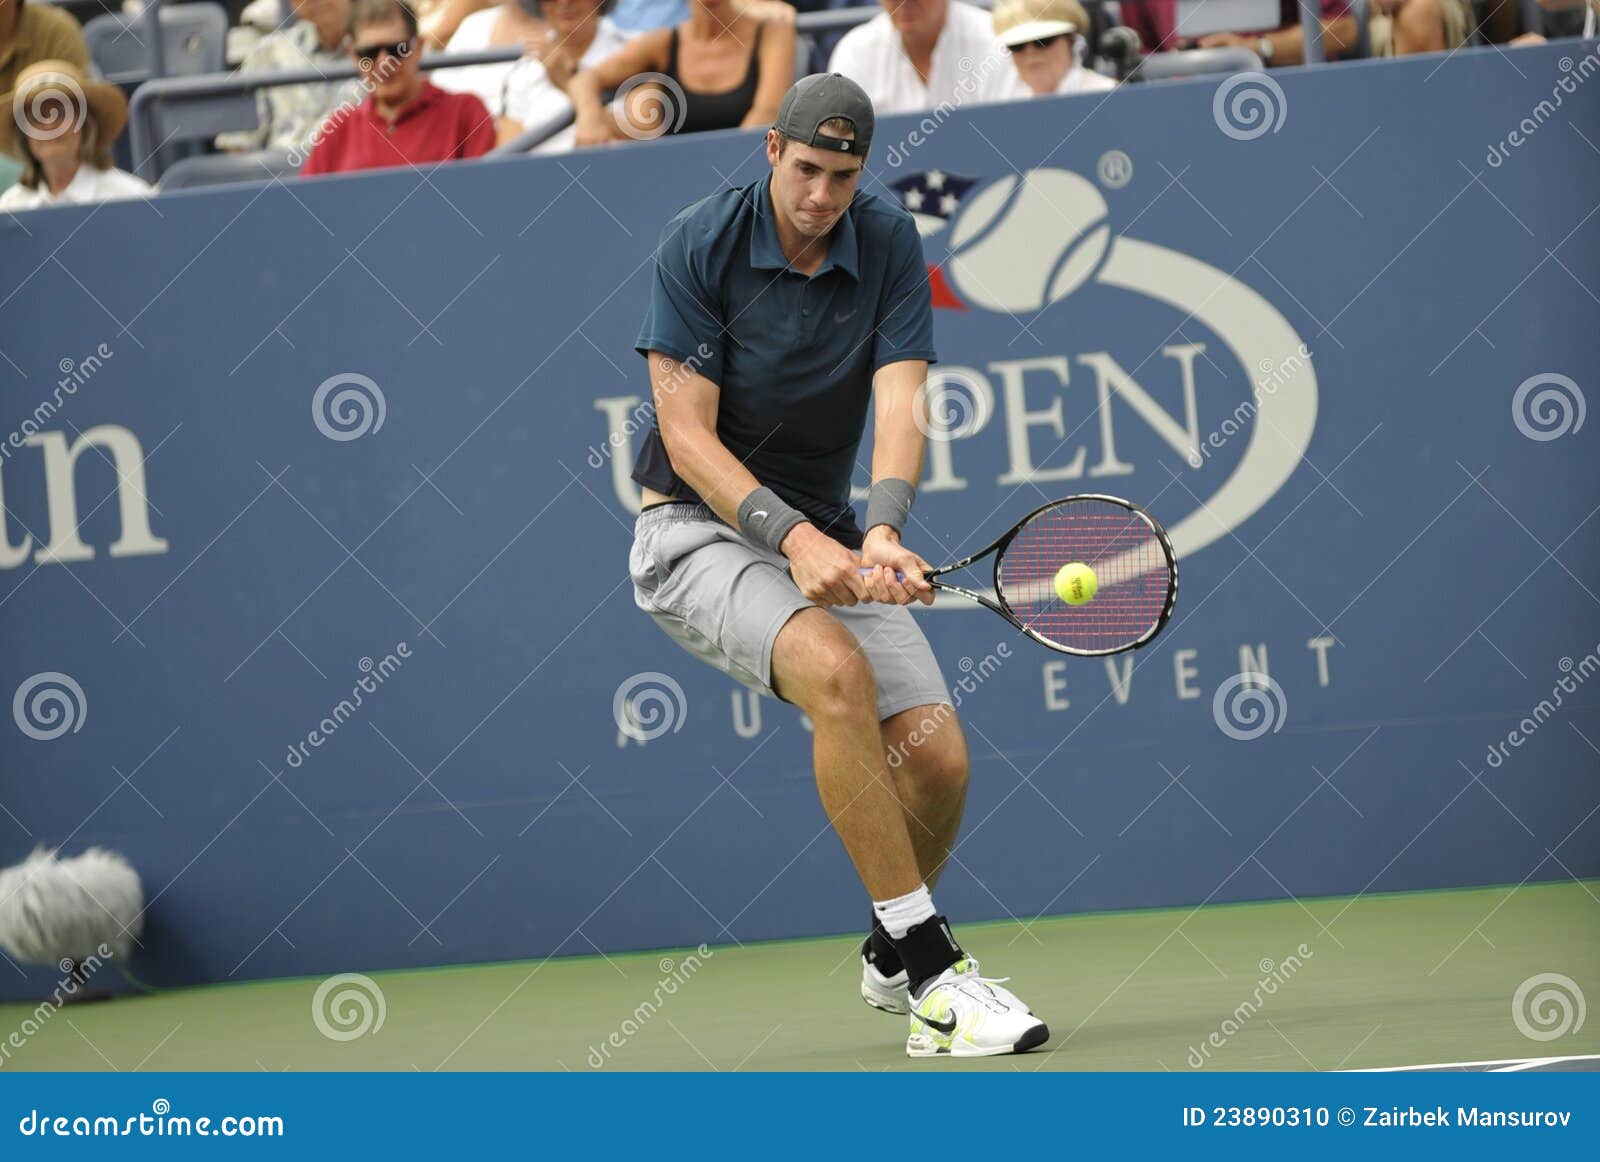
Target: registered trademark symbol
1115,169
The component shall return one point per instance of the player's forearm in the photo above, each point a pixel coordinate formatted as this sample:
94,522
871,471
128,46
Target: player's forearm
706,465
898,442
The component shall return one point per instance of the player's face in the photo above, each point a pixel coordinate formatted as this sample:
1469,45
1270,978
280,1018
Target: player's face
811,187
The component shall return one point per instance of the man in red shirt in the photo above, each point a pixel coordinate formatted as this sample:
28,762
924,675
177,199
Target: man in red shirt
1156,21
405,119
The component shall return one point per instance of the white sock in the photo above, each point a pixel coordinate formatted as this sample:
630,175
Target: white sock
904,913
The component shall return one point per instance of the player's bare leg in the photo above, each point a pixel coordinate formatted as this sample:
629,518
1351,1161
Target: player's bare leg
927,755
817,664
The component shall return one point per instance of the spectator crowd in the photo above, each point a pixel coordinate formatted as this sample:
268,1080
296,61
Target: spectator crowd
591,72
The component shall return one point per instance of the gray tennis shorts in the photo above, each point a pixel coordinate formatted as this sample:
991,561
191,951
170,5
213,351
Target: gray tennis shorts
724,599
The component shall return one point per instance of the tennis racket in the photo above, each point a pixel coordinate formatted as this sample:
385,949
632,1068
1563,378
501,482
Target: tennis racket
1134,567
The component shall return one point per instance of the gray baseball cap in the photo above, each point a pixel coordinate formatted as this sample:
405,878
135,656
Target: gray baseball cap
822,97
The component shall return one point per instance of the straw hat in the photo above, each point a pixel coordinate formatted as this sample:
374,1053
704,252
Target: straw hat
1023,21
45,85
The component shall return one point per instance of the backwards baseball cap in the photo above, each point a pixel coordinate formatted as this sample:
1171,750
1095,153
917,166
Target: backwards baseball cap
822,97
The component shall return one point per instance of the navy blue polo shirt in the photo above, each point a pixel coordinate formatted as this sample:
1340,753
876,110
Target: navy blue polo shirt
793,356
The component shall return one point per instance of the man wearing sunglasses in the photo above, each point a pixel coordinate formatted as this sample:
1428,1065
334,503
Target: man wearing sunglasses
405,120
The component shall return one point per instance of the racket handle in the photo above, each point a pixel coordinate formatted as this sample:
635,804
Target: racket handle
898,576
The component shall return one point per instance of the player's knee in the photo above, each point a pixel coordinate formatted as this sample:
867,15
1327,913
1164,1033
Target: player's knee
939,769
939,777
844,686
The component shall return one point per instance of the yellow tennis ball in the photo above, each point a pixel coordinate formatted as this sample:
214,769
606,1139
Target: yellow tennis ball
1076,583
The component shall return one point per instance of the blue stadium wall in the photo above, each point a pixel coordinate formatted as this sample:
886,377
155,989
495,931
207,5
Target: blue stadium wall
1340,314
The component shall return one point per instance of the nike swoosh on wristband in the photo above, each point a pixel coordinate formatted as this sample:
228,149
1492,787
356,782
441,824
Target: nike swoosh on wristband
758,513
946,1027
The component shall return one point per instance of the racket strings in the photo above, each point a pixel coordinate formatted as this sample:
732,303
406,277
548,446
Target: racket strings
1131,570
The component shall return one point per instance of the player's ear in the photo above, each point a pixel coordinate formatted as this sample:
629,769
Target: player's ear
773,141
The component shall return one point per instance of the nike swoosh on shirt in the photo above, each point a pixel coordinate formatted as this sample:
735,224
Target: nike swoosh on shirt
842,316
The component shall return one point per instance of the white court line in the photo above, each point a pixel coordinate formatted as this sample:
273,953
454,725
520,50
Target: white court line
1511,1064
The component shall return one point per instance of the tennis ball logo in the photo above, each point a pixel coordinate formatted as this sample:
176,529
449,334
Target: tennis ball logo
1025,242
1548,1006
348,1006
1076,583
1248,706
48,705
1547,407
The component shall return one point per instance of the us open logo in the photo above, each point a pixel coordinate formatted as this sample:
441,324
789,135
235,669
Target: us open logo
1023,244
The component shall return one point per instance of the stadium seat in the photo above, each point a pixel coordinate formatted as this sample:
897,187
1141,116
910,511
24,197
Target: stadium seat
194,38
1197,62
220,169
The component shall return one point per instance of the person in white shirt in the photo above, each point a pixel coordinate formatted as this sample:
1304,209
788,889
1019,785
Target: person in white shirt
560,36
1044,39
580,37
61,128
520,24
920,54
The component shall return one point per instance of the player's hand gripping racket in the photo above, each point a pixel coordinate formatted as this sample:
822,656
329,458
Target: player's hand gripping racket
1087,575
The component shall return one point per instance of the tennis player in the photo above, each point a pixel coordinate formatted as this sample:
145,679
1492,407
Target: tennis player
779,312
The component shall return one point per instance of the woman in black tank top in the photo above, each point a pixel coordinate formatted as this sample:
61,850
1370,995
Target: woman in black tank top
727,66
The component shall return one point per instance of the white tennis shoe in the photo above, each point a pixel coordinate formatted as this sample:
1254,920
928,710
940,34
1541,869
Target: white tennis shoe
892,994
963,1014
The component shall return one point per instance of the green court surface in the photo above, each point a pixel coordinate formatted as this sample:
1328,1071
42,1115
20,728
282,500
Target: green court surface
1383,980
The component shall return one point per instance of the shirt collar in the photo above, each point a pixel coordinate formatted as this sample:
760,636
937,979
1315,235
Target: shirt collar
766,254
430,93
